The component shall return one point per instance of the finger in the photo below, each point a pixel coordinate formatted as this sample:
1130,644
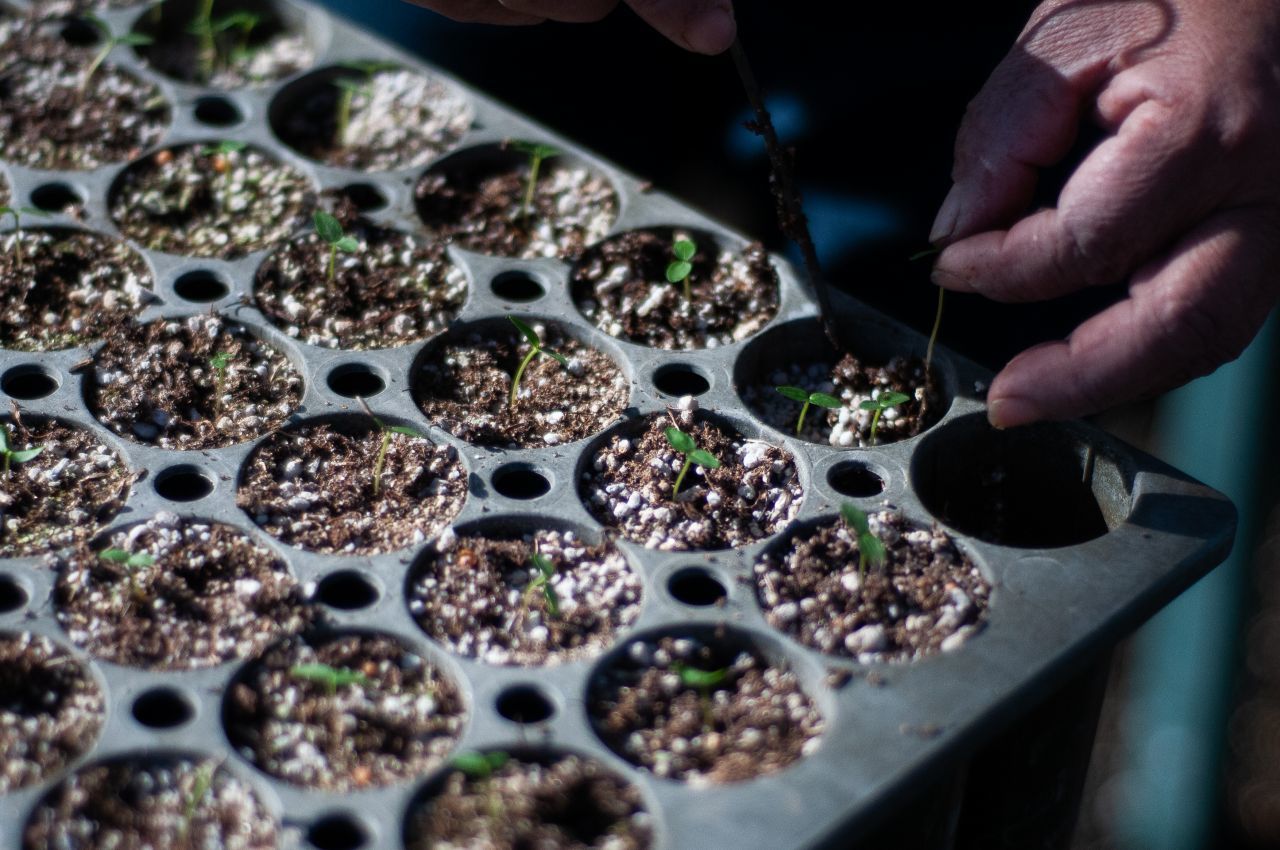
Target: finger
478,12
569,11
1186,315
703,26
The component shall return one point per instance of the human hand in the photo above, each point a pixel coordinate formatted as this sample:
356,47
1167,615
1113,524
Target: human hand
1182,199
703,26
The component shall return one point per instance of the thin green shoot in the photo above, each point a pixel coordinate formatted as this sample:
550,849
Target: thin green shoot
380,463
927,252
807,398
328,677
329,229
679,269
685,445
109,42
18,213
12,455
538,153
219,363
348,88
546,571
226,146
244,22
871,549
201,27
200,788
535,348
885,401
933,338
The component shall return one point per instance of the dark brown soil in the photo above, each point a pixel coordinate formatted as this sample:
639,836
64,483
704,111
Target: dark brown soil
212,595
627,485
50,710
160,802
50,118
62,496
756,721
399,119
158,383
477,596
927,596
69,289
853,382
192,200
313,487
465,384
393,291
479,205
400,722
568,803
621,286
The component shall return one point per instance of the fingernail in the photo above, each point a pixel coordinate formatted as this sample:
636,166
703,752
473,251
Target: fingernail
944,225
950,280
1009,412
712,31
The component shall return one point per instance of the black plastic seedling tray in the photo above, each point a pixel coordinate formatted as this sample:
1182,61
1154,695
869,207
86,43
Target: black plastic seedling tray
890,729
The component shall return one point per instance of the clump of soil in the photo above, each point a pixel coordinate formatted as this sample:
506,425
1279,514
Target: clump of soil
927,597
484,598
392,290
50,118
397,720
160,801
565,803
628,485
67,288
853,382
63,495
50,710
209,596
271,51
202,202
464,387
621,286
755,720
313,487
479,205
398,119
162,383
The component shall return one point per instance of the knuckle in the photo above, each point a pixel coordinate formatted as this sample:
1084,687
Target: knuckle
1194,339
1088,253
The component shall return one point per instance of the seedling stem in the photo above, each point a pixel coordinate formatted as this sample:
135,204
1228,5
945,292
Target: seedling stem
542,581
880,404
685,445
135,39
15,456
18,213
537,154
329,229
807,398
380,463
871,549
536,348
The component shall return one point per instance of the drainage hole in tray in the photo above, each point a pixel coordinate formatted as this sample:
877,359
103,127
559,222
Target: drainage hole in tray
337,832
518,481
517,286
201,286
347,590
524,704
184,483
679,379
217,112
367,197
29,382
697,587
56,197
79,33
850,478
356,379
13,596
163,708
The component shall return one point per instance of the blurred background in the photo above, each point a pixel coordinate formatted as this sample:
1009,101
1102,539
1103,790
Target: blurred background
1188,753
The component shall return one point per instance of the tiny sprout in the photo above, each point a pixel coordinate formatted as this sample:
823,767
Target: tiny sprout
380,462
684,444
703,680
927,252
244,21
109,42
480,766
200,787
18,213
329,229
542,581
807,398
538,154
536,348
679,269
937,317
12,455
870,548
201,26
224,147
331,678
220,362
880,404
131,560
349,88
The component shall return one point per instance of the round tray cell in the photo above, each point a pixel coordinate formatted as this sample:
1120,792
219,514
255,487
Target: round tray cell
503,800
55,115
352,487
518,593
627,481
370,116
390,290
196,383
343,713
481,199
152,801
878,367
622,286
63,288
175,593
924,597
51,709
706,707
463,384
217,199
1035,487
62,495
239,43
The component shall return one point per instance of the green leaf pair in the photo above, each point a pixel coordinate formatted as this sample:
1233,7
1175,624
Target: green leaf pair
331,678
15,456
536,348
871,550
679,269
880,404
685,445
132,560
807,398
480,766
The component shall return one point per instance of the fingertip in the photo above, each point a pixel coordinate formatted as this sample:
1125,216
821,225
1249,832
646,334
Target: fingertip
944,225
1010,412
712,31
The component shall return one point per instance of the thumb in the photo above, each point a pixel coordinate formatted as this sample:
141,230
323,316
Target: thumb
703,26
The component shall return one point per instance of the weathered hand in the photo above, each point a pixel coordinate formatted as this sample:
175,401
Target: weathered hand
1182,199
703,26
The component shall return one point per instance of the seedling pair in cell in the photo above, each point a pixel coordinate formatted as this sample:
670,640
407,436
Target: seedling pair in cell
211,48
12,455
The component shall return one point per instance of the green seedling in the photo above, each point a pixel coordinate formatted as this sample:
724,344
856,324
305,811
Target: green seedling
219,363
329,229
331,678
201,27
200,788
243,23
348,88
870,548
684,444
807,398
109,42
130,560
704,682
479,768
678,270
380,462
542,581
880,404
535,348
538,154
12,455
937,317
18,213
